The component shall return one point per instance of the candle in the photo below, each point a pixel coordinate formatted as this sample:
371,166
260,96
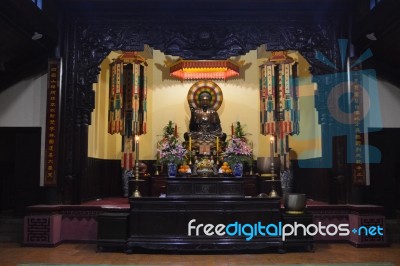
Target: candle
137,147
217,144
137,157
190,143
271,147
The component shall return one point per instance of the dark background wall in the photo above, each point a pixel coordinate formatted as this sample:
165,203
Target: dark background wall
385,176
19,168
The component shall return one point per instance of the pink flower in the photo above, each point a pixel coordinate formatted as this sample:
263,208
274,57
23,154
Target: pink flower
170,149
238,150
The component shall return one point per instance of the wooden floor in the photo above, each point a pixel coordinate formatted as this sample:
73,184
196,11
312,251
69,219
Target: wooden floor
13,254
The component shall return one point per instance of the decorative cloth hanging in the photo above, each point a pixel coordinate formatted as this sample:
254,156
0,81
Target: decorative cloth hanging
115,97
279,108
128,102
127,161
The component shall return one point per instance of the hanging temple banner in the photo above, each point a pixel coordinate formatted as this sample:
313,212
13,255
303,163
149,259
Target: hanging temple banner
279,111
127,113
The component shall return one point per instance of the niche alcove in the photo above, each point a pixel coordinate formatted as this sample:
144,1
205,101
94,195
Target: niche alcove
194,34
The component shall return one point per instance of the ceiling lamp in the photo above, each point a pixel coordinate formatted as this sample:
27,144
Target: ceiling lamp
204,69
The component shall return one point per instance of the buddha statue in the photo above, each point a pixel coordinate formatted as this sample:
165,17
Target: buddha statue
204,124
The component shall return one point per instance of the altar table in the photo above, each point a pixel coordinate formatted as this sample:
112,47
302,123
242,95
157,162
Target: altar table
162,223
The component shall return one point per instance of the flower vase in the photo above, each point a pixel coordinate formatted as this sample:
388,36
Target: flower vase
238,169
172,169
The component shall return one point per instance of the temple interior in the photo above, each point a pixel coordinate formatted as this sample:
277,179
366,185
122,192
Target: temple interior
229,121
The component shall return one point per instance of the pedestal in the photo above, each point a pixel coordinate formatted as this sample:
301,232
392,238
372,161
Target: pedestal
162,223
112,231
42,230
301,240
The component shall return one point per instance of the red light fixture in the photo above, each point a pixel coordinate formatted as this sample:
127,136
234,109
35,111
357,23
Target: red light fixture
204,69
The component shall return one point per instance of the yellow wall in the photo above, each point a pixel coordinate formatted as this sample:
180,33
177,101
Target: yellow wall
167,101
240,100
100,143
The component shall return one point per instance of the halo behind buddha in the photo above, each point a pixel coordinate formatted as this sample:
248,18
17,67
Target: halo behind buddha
204,87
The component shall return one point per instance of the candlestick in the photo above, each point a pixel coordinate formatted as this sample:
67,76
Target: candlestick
271,147
136,193
217,149
137,157
273,193
190,150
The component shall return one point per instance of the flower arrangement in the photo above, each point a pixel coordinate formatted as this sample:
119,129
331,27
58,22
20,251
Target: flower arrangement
170,148
238,148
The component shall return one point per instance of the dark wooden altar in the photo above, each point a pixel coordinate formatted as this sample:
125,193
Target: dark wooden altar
251,185
205,187
162,223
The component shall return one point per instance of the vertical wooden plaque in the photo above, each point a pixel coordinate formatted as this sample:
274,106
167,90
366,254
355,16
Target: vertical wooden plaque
52,123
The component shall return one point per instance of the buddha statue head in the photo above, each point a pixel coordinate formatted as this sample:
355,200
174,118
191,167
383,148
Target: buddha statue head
205,100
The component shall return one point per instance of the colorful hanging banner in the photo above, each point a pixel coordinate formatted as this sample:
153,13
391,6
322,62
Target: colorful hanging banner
279,115
51,133
127,114
115,115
